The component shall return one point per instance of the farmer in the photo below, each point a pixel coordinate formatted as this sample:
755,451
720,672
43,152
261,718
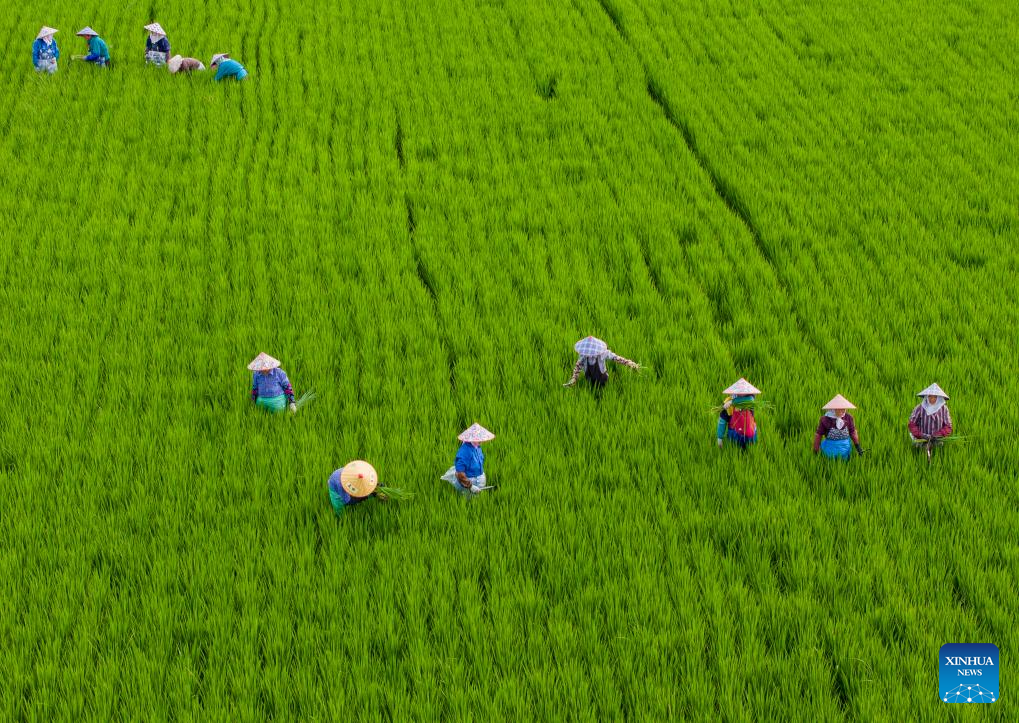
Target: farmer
930,423
227,67
179,64
836,432
157,46
467,475
353,484
593,355
736,418
45,51
98,53
270,387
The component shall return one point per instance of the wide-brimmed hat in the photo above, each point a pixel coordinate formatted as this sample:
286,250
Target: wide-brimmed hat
475,433
359,478
156,29
933,391
175,62
46,30
87,32
741,388
839,402
590,346
218,57
263,362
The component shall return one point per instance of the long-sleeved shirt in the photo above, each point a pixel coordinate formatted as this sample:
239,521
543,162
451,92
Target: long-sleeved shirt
470,460
828,428
188,65
98,53
578,368
43,53
161,46
230,68
922,424
345,497
272,384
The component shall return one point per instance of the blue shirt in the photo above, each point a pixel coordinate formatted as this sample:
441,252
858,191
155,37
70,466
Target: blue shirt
230,69
337,489
97,51
272,384
470,460
43,53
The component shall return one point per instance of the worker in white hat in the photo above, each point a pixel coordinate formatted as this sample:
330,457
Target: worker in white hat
352,484
45,52
98,53
836,433
930,423
157,46
270,386
736,421
227,68
467,475
592,353
180,64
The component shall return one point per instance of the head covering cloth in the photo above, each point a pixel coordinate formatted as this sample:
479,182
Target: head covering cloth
593,351
934,390
263,362
475,433
359,478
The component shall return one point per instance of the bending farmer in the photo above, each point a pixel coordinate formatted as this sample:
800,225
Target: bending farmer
930,423
270,387
467,475
226,67
352,484
593,353
98,53
157,46
837,430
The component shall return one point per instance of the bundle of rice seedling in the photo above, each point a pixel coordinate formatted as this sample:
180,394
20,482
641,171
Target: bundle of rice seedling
394,493
305,398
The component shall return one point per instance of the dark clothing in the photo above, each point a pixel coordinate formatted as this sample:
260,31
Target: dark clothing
595,375
828,429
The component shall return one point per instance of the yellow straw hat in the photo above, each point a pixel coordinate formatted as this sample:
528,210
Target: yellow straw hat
359,478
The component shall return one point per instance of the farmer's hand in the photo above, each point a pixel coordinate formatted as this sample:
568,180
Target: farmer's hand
293,408
382,496
475,490
720,443
570,383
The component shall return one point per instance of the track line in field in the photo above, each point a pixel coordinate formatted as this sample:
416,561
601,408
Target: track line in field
725,191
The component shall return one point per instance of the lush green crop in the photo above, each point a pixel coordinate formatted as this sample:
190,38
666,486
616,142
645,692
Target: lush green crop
419,207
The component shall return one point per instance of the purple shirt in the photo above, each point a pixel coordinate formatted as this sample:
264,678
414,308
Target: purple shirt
273,384
938,424
337,489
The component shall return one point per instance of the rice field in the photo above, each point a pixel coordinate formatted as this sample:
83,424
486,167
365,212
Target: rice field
419,207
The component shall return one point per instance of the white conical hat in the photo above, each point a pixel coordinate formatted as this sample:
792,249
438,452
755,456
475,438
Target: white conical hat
174,64
218,57
476,433
839,402
590,346
87,32
359,478
156,28
742,388
262,362
933,390
46,30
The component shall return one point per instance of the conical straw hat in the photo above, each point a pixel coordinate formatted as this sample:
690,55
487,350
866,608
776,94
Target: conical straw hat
263,362
933,390
476,433
87,32
46,30
218,57
359,478
742,388
839,402
590,346
175,63
155,28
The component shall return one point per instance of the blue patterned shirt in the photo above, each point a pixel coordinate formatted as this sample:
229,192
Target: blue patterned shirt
270,385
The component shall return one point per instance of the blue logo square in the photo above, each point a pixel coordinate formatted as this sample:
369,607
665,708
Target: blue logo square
968,673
